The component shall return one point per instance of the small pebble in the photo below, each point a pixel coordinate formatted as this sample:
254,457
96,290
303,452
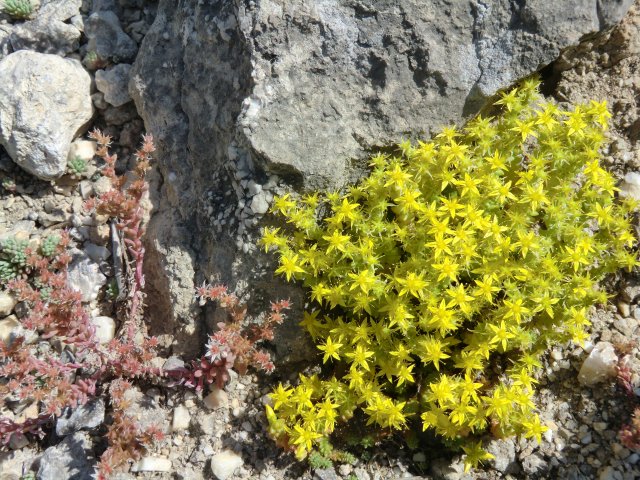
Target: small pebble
9,329
599,426
216,399
181,418
105,328
624,308
225,463
599,365
247,426
419,457
152,464
7,302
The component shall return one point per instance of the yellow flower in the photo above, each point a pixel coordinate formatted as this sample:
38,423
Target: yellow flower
359,356
534,429
289,265
501,334
447,268
304,436
432,350
474,455
330,350
412,283
525,128
279,396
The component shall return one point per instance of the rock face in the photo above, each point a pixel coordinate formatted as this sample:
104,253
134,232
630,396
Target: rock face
44,101
240,91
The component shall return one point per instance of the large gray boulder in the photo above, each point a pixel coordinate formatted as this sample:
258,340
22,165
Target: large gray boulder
242,93
45,101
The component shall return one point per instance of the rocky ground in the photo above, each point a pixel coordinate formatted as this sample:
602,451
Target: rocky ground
222,433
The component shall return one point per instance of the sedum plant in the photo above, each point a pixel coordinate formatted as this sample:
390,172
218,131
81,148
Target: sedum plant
19,9
13,258
437,283
77,166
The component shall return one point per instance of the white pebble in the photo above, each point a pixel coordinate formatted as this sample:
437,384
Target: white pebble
216,399
556,355
7,302
599,365
259,204
225,463
105,328
630,185
152,464
181,419
84,149
624,309
9,329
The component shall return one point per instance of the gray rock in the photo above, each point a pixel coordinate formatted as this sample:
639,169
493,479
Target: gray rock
44,102
106,5
146,412
504,451
22,229
49,31
532,464
5,40
259,204
325,474
107,39
71,459
301,88
113,83
85,276
443,469
345,77
97,253
120,115
85,417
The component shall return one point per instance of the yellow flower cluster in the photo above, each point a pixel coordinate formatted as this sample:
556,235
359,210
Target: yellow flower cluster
441,278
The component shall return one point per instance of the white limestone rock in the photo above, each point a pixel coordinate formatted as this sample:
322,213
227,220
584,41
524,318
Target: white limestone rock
216,399
181,418
225,463
7,302
85,276
152,464
630,185
105,328
599,365
45,100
